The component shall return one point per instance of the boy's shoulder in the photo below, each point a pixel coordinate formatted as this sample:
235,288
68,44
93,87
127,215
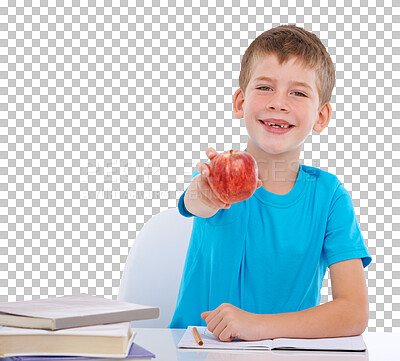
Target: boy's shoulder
323,177
327,185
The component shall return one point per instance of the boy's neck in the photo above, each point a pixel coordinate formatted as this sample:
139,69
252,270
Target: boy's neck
278,173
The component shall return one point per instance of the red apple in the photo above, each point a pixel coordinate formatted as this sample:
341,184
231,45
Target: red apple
233,176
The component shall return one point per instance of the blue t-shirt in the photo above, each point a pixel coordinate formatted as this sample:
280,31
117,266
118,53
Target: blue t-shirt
269,253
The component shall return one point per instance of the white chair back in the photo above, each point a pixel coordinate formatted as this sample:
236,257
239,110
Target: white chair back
154,266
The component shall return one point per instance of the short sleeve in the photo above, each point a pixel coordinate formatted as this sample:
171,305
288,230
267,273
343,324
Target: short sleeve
181,204
343,239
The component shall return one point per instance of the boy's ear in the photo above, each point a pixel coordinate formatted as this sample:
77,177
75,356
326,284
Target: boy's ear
238,100
324,117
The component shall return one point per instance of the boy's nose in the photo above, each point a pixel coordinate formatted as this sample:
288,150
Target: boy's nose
277,103
277,108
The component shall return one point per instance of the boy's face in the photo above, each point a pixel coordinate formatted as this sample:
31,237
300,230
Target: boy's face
272,94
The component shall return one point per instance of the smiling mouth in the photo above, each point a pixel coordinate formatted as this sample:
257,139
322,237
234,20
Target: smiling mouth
273,125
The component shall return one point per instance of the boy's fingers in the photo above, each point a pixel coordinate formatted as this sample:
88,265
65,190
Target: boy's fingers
207,195
259,183
198,167
211,153
205,314
202,169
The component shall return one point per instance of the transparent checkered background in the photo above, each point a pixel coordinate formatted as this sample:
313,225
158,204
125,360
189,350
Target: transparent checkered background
106,107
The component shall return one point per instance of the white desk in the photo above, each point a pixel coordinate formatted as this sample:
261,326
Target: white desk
162,342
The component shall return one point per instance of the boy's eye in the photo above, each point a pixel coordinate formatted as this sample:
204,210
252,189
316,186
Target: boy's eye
301,94
296,93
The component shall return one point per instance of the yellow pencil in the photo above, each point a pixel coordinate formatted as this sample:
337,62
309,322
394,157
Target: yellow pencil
197,337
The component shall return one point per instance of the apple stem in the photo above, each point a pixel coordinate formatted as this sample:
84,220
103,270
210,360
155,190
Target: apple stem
231,151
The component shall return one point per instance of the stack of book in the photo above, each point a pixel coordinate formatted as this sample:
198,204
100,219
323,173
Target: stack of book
71,328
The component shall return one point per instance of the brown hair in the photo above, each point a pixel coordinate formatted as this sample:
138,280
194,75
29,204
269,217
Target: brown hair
287,41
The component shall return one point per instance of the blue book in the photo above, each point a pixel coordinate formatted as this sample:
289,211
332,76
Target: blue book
136,352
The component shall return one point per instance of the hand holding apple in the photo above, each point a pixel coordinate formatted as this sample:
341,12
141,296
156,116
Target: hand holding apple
201,186
233,175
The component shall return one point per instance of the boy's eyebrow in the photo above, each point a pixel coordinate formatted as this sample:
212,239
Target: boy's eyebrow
295,82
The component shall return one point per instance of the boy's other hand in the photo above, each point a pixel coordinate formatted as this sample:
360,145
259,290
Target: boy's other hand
227,322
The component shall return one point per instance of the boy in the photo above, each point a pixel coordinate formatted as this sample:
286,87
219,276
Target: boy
254,269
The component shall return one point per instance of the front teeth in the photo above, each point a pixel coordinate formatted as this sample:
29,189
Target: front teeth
278,126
